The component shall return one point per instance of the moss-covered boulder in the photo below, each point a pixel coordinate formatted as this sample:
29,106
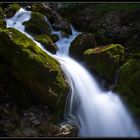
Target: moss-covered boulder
12,9
105,60
46,41
2,14
42,8
39,72
37,24
54,37
128,83
81,43
2,24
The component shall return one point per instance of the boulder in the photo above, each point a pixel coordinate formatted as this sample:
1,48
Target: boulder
128,83
12,9
39,72
2,24
2,14
42,8
46,41
80,44
58,23
37,24
105,60
54,37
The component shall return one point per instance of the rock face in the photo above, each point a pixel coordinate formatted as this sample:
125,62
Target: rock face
105,60
46,41
80,44
39,72
37,24
128,83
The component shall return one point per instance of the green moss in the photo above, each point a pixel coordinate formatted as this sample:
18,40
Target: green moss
2,24
81,43
33,67
14,6
105,59
2,15
54,37
12,9
39,7
130,76
46,41
37,24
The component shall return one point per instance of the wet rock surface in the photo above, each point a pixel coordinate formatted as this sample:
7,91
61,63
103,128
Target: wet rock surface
35,121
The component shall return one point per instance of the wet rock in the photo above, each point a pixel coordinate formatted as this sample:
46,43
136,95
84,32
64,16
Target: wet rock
105,59
80,44
2,24
62,25
47,42
31,66
67,130
11,10
37,24
128,83
54,37
2,14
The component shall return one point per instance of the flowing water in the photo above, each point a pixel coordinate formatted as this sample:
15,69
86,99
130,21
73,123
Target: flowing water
97,113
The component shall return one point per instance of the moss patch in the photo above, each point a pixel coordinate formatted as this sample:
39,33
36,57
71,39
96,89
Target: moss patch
37,24
46,41
12,9
33,67
105,60
128,83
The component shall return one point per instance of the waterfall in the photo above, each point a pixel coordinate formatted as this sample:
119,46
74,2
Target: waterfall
96,113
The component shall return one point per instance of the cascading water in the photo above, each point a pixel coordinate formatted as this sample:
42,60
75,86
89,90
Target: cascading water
97,113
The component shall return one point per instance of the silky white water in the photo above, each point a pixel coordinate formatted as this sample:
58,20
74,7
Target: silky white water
97,113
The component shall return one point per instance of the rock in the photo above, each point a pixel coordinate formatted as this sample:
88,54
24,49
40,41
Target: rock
46,41
54,38
2,14
31,66
29,132
105,60
42,8
58,23
110,23
16,133
63,130
62,25
81,15
11,10
36,122
68,130
37,24
2,24
80,44
128,83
